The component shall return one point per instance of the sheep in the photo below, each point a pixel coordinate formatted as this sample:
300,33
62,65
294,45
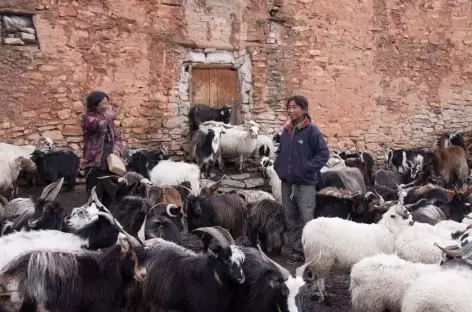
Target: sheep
266,222
76,281
168,172
202,283
347,178
274,180
252,196
201,113
226,210
35,213
57,163
439,292
378,283
205,149
337,242
268,286
239,142
416,244
11,170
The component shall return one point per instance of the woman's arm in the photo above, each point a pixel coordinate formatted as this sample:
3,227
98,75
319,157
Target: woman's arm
321,152
93,124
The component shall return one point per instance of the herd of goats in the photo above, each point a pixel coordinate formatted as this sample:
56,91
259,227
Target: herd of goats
402,231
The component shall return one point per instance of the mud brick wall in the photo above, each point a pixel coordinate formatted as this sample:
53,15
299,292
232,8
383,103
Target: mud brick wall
377,73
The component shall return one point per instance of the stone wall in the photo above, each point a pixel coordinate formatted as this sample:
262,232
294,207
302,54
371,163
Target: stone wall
376,72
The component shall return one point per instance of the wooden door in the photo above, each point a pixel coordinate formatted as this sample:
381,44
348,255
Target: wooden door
216,87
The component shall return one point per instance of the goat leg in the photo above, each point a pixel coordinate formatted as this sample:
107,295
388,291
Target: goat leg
241,163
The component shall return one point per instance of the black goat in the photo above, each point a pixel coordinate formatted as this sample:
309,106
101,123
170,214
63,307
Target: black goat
347,178
266,222
201,113
57,163
345,208
227,210
363,160
86,281
202,283
269,286
142,161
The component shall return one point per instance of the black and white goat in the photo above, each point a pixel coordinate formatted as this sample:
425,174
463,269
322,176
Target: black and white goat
201,113
178,279
205,149
57,163
269,286
77,281
143,161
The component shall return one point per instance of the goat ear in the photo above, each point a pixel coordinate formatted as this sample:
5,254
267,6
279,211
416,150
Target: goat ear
222,113
124,244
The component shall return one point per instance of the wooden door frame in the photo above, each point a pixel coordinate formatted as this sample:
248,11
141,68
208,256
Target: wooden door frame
236,120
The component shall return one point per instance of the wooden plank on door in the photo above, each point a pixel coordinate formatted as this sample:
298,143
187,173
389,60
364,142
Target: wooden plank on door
214,83
200,86
227,86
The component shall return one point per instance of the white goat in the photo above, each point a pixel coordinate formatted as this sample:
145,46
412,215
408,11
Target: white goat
274,180
339,243
168,172
239,142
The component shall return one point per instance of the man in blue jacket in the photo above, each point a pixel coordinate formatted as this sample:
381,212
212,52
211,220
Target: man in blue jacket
301,155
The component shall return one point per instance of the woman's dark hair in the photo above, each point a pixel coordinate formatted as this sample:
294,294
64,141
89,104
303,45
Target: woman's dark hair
94,98
301,102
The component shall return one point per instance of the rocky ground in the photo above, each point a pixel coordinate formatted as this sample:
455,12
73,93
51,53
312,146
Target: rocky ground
337,284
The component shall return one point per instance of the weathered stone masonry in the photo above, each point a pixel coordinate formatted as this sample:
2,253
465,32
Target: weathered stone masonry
376,72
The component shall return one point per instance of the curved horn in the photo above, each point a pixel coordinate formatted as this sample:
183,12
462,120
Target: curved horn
283,271
169,206
400,211
226,234
133,241
220,238
381,200
3,201
301,269
55,190
33,223
141,234
414,204
368,194
448,251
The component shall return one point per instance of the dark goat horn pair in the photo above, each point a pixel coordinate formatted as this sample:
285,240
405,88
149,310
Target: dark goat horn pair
414,204
449,251
51,191
222,236
283,271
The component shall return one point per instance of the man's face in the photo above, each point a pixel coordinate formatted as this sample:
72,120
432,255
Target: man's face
295,112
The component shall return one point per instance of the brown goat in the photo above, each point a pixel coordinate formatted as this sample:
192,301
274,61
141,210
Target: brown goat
452,164
266,221
165,194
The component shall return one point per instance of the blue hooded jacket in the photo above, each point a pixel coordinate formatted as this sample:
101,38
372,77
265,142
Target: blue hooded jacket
301,154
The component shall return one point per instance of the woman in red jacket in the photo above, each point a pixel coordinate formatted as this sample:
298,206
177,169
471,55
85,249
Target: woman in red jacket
101,138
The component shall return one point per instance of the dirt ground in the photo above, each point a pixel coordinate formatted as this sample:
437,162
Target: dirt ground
337,284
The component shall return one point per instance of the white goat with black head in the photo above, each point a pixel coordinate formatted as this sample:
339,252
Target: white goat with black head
274,180
205,149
